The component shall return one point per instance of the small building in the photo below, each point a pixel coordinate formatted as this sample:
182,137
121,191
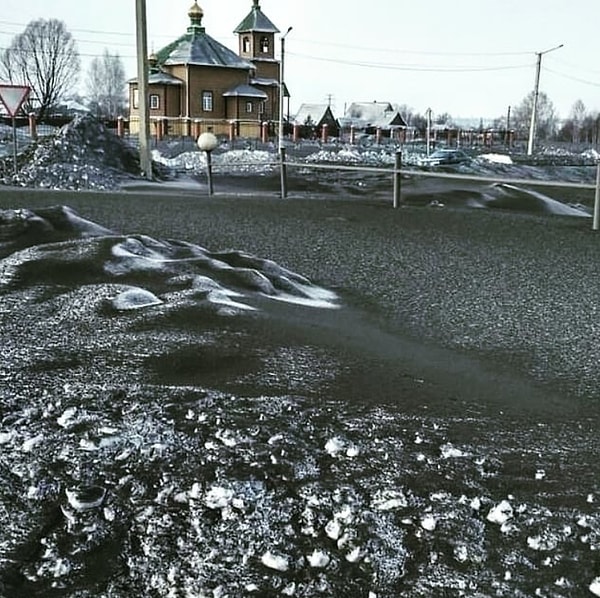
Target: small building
196,84
373,118
310,118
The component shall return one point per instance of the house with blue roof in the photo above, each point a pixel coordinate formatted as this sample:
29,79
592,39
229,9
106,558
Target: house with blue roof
197,84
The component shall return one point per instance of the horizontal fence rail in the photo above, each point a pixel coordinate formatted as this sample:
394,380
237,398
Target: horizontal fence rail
409,172
397,173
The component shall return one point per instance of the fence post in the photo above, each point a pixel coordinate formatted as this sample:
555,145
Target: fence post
596,223
397,180
283,169
33,126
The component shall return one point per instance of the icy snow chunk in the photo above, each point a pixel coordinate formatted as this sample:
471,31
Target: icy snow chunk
218,497
275,561
6,437
461,553
64,420
289,590
353,451
386,500
500,513
134,298
496,158
318,559
31,443
354,555
449,451
333,529
595,587
334,446
542,543
475,504
429,522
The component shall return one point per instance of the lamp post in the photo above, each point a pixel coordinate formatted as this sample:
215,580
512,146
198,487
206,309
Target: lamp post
281,107
142,68
536,93
207,142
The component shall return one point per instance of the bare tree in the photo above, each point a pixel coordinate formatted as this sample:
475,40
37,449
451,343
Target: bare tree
45,58
577,116
106,85
546,118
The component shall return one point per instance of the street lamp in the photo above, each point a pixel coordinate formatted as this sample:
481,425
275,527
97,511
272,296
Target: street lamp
536,92
207,142
281,107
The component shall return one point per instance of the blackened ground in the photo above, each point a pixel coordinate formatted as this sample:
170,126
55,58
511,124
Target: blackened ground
516,292
435,436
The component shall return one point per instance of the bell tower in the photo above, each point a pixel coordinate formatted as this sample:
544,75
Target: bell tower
256,35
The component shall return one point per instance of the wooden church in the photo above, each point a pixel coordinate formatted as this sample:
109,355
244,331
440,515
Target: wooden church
196,84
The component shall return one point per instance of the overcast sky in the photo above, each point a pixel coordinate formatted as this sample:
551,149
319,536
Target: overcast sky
471,58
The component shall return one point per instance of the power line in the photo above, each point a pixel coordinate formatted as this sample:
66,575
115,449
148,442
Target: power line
415,52
584,81
413,67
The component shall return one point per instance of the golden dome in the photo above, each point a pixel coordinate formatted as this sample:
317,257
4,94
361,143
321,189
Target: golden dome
195,11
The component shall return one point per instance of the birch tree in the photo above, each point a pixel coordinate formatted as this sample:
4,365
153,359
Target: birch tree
106,85
45,58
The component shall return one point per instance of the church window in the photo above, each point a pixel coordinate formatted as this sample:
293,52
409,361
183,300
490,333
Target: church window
154,101
249,107
246,45
207,101
264,45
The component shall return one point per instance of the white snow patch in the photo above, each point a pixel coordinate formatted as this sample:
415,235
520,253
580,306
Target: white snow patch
30,443
6,437
595,586
218,497
318,559
275,561
429,522
500,513
66,417
387,500
134,298
497,158
451,452
334,446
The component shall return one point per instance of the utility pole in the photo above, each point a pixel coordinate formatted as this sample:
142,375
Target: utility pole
281,107
143,109
428,131
536,93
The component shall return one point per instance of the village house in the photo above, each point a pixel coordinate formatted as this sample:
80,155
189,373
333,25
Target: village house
374,118
196,84
312,118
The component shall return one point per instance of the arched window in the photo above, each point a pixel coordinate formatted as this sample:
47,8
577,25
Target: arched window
246,45
264,45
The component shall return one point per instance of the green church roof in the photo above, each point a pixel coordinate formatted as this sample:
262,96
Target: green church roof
198,48
256,21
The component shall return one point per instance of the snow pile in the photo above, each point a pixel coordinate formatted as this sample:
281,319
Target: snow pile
353,155
84,154
234,161
496,158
